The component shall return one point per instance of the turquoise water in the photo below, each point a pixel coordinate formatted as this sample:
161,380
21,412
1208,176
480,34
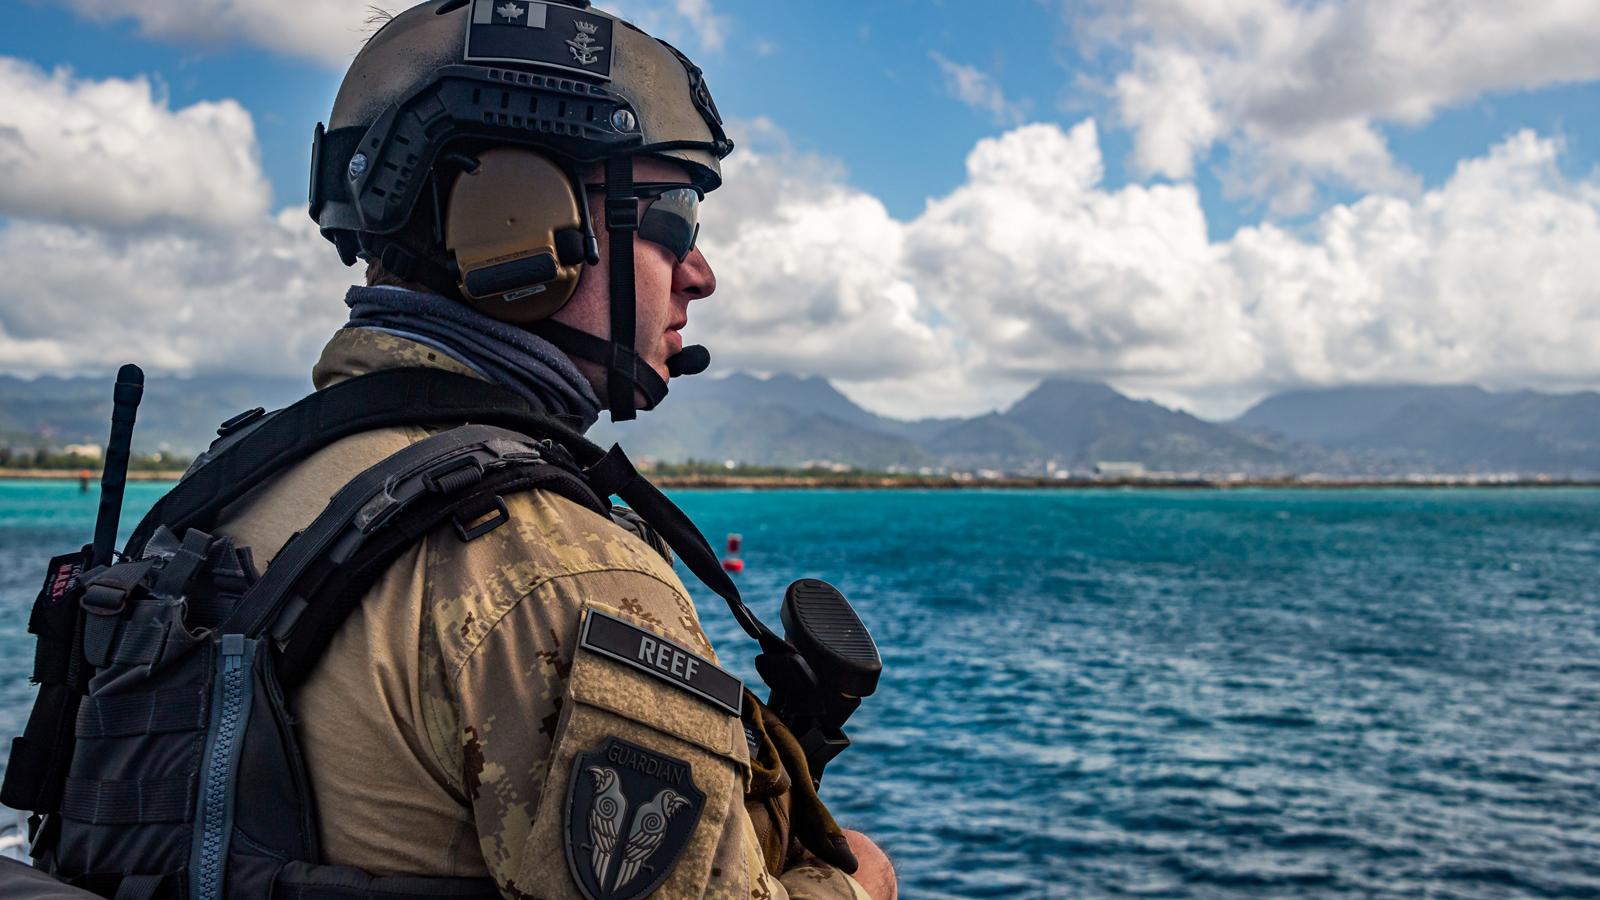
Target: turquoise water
1166,694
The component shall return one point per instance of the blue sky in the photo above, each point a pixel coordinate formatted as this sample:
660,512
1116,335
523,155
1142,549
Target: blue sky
1291,132
856,82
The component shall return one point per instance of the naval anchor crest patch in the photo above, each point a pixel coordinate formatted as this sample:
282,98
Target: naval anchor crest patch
630,814
559,35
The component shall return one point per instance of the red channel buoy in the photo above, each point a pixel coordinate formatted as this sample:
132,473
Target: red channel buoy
732,562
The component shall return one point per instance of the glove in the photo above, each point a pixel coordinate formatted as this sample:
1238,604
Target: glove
767,801
782,800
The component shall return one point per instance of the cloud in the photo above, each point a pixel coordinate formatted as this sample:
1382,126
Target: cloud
327,31
113,154
1031,268
711,29
1045,273
129,231
1299,91
259,299
979,90
807,274
330,32
1489,279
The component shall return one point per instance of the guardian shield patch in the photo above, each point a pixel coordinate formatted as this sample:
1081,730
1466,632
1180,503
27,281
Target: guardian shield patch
630,814
527,31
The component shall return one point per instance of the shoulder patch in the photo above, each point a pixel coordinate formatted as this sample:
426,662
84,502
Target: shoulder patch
630,814
649,652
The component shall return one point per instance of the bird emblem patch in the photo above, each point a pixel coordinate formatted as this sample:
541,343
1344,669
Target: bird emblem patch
630,814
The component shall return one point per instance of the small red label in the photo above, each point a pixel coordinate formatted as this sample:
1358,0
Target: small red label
62,581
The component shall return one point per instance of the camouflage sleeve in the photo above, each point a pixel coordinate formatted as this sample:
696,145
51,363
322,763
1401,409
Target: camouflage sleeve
577,696
819,881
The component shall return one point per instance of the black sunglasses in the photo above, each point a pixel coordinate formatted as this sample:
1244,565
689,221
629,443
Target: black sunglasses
671,217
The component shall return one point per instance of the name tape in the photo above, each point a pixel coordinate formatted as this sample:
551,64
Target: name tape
649,652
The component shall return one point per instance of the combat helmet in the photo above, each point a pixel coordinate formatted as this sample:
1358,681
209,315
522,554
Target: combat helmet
454,156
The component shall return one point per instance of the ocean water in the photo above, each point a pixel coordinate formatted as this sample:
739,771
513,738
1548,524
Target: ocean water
1165,693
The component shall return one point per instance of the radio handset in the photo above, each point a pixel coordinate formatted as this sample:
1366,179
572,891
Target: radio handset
820,623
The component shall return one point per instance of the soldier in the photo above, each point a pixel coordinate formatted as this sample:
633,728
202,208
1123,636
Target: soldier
455,727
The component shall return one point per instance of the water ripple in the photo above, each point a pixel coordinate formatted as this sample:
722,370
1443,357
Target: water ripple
1166,694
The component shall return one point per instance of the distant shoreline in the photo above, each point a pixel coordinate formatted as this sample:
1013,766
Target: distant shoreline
76,474
913,483
712,482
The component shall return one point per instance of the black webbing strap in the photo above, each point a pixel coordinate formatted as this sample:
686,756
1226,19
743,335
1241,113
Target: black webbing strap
615,474
144,801
282,891
117,886
400,261
191,555
105,596
393,397
418,396
139,887
264,599
622,222
340,589
600,351
152,712
303,881
141,645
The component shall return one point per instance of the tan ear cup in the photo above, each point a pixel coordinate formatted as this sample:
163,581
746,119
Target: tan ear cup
502,224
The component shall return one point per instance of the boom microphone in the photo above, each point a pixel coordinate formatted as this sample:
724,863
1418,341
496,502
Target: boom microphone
691,360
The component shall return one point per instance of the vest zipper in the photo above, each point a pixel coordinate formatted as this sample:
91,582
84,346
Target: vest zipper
216,789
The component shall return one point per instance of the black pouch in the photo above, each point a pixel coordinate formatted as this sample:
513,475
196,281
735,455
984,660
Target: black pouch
151,804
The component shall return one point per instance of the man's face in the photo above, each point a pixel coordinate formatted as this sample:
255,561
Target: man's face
664,286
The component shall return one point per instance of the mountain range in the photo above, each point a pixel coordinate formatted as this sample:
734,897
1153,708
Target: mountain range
1074,426
177,415
1061,426
1457,429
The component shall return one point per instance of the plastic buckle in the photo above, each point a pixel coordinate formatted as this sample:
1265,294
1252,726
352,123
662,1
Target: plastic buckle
239,421
501,516
398,261
104,599
622,214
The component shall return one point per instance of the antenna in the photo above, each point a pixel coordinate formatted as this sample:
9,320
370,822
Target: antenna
125,399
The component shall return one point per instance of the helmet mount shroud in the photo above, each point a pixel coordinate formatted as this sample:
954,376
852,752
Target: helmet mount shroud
480,102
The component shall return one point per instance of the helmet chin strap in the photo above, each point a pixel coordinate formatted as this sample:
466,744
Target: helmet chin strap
622,223
626,370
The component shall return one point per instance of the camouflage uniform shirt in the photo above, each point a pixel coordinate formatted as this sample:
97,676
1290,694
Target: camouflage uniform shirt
441,726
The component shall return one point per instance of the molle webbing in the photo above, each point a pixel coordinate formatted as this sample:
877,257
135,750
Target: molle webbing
152,712
394,397
145,801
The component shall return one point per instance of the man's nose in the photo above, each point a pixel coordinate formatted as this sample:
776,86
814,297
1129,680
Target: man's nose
693,277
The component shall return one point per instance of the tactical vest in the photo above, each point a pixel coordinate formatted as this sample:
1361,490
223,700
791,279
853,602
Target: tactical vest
160,761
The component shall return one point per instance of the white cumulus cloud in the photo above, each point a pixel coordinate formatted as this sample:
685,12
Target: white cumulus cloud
130,231
1489,279
808,276
332,31
112,153
327,31
1031,268
1299,90
261,298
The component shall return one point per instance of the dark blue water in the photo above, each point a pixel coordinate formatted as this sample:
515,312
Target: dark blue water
1169,694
